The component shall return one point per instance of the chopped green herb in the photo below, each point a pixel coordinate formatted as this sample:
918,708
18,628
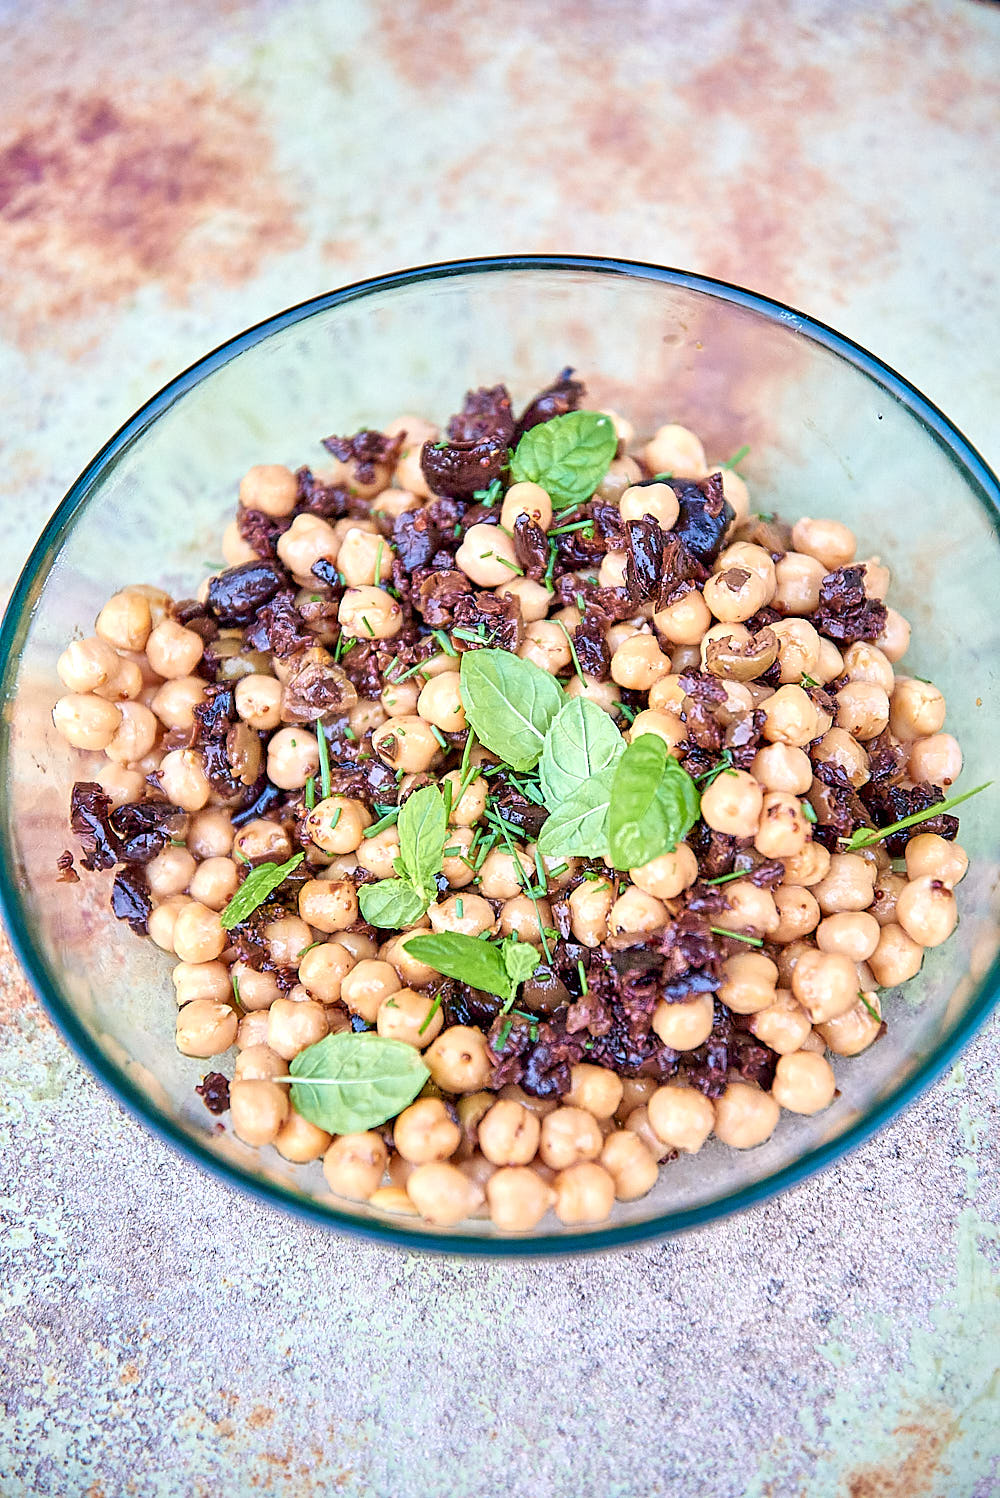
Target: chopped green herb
444,642
440,737
236,985
440,446
751,941
378,564
572,649
367,624
765,515
725,878
309,948
460,908
661,477
871,1010
809,812
310,796
628,713
350,735
584,985
864,837
388,820
324,761
475,635
431,1011
724,767
809,681
489,495
736,458
504,1035
577,525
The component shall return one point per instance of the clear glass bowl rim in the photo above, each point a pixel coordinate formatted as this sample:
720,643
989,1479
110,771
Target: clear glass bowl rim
975,471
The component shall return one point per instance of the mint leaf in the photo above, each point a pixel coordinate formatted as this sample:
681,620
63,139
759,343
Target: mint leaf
256,887
581,743
349,1082
422,825
654,804
519,958
391,903
580,826
568,456
467,958
509,703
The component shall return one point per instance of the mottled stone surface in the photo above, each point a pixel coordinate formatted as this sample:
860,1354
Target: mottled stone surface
169,174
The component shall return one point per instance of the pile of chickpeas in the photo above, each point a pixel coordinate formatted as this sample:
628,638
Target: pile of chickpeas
841,926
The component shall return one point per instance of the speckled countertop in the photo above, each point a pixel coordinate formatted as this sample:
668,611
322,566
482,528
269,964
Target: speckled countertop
169,174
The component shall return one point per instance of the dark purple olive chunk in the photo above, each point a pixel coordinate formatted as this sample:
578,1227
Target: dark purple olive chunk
235,596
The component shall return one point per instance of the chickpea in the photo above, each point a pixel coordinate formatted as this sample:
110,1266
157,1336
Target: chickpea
667,726
798,912
798,649
467,809
214,883
634,910
292,1026
409,968
252,1031
533,599
929,854
782,767
545,645
509,1133
411,1017
686,620
636,1093
865,662
748,982
518,1198
569,1135
173,650
487,556
443,1194
749,909
407,743
526,499
787,958
500,878
257,1062
198,935
656,500
86,665
202,980
862,709
307,539
789,717
745,1116
798,578
830,664
809,867
839,747
367,986
684,1025
262,841
210,833
470,915
828,540
258,1110
524,917
803,1082
927,911
236,551
205,1028
361,553
589,908
125,787
887,888
426,1131
258,701
323,970
125,620
399,699
585,1192
369,613
917,708
459,1059
594,1089
851,1033
936,760
354,1165
848,885
668,875
183,779
292,756
163,919
782,830
681,1117
175,701
783,1025
169,873
270,487
622,473
732,803
611,573
637,1122
853,932
300,1141
441,704
894,641
630,1165
85,721
337,824
378,854
287,938
471,1109
638,663
675,450
825,984
735,594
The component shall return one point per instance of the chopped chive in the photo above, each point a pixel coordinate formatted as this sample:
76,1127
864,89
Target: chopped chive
504,1035
460,908
809,681
512,566
628,713
309,948
561,869
809,811
350,734
864,837
440,737
871,1010
550,569
335,818
389,820
584,985
444,642
724,767
367,625
540,871
311,791
751,941
455,852
736,458
725,878
489,495
324,761
431,1011
440,446
236,985
378,564
572,649
577,525
476,636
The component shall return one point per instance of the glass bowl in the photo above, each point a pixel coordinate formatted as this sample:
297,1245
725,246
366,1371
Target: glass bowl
831,431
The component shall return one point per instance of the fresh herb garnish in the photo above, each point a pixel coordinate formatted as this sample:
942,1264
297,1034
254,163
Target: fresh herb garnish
581,741
354,1080
809,681
724,767
444,642
864,837
490,494
495,968
572,651
388,820
584,985
725,878
259,883
510,703
422,823
580,826
432,1011
751,941
310,791
391,903
662,477
378,563
735,459
871,1009
654,804
568,456
809,812
324,761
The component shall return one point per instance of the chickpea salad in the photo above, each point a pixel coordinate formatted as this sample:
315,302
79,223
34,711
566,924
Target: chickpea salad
522,805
